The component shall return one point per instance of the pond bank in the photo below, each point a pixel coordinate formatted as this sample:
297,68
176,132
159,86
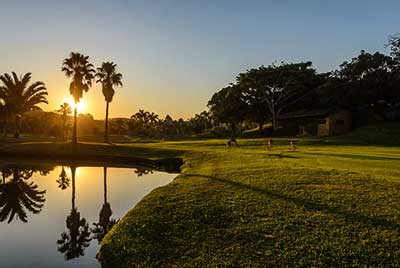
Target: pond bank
93,154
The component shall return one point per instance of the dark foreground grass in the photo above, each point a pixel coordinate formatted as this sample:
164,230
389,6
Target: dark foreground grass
321,206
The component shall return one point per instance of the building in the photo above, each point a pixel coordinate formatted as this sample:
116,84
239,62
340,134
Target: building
319,123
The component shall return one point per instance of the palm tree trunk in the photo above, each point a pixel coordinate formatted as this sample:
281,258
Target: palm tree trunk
73,170
106,139
64,126
74,132
17,126
105,185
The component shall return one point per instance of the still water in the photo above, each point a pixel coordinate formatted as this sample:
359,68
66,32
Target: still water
55,216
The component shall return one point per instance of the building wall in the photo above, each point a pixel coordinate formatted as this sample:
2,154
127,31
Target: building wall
340,122
337,123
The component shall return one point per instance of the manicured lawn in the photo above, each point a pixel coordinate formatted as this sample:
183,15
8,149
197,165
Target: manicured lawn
327,204
321,206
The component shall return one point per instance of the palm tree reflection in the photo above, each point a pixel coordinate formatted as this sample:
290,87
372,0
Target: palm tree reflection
17,195
63,180
74,241
105,223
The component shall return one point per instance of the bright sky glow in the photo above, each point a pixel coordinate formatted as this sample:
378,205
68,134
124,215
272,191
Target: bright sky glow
175,54
81,105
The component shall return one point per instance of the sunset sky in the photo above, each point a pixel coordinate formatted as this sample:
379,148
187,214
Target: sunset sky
175,54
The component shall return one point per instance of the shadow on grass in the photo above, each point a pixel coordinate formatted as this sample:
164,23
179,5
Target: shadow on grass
281,155
354,156
351,217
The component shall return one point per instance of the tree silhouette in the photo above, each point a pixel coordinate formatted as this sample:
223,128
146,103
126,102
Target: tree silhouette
19,97
65,110
82,71
63,180
17,196
227,106
108,76
73,242
105,223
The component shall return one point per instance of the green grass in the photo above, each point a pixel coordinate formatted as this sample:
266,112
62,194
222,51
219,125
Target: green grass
320,206
331,203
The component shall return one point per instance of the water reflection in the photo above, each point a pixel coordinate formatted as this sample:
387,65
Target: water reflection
105,223
71,228
142,171
18,195
74,241
63,179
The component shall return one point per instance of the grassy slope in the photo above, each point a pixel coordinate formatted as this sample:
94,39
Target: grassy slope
321,206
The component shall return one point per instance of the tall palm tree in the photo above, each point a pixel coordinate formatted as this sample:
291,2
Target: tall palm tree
105,222
82,72
19,97
109,77
73,243
17,195
65,110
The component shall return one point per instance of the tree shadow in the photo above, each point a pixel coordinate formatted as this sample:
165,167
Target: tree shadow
281,155
350,217
355,156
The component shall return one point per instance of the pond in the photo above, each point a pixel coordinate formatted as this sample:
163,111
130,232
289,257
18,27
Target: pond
55,216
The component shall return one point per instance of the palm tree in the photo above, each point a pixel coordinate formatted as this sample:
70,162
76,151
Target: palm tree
18,195
19,97
73,243
65,110
153,117
82,71
108,76
105,222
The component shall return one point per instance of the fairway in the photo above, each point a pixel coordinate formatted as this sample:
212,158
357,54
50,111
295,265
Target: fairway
319,206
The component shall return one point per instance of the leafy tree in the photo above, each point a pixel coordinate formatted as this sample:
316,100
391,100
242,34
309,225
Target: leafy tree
108,76
82,72
227,106
65,110
119,126
369,82
277,88
17,196
19,97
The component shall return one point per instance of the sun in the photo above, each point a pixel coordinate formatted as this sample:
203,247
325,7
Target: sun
81,105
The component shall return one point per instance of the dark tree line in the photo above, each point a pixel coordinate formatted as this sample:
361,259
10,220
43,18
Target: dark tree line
368,85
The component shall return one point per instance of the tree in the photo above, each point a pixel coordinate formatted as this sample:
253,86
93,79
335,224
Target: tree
277,88
65,110
108,76
227,106
367,83
19,97
17,196
73,242
82,72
